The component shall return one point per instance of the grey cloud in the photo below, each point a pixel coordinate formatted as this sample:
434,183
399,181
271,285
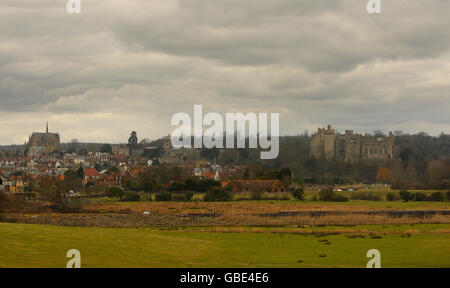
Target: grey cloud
124,65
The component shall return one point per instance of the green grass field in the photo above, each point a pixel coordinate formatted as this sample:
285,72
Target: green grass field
25,245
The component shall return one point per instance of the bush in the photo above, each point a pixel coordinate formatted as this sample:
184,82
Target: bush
437,197
132,196
163,196
115,192
200,186
390,197
339,198
448,195
326,194
299,194
406,195
275,198
158,188
217,194
329,195
188,196
369,196
68,206
176,186
420,197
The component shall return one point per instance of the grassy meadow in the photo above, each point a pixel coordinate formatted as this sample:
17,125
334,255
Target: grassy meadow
25,245
311,196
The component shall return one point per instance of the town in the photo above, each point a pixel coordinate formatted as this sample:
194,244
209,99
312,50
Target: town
145,166
102,166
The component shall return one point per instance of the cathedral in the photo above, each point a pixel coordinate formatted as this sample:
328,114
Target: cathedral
40,142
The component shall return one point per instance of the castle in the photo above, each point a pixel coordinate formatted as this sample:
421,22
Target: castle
40,143
352,147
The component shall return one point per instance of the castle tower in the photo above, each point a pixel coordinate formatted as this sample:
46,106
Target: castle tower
328,142
322,143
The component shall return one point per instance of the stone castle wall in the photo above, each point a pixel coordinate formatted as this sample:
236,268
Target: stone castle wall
351,147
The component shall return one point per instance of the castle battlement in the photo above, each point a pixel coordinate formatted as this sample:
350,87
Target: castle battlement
351,146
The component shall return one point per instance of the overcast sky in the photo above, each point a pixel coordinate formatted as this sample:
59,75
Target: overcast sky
130,65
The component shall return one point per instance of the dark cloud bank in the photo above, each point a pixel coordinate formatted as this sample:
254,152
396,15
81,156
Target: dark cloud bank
124,65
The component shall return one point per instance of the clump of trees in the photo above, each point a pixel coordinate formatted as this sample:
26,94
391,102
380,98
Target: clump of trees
422,174
106,148
329,195
368,196
218,194
384,175
194,185
131,196
406,196
164,196
172,177
299,194
55,191
390,197
114,192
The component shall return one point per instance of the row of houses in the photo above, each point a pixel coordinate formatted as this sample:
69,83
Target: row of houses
13,184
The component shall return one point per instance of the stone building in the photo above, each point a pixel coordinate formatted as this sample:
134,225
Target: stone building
322,143
40,143
121,150
177,156
351,147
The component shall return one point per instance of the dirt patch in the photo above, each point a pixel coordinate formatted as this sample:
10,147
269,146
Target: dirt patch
230,208
140,220
202,214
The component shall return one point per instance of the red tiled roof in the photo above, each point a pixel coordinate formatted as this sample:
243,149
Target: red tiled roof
91,172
